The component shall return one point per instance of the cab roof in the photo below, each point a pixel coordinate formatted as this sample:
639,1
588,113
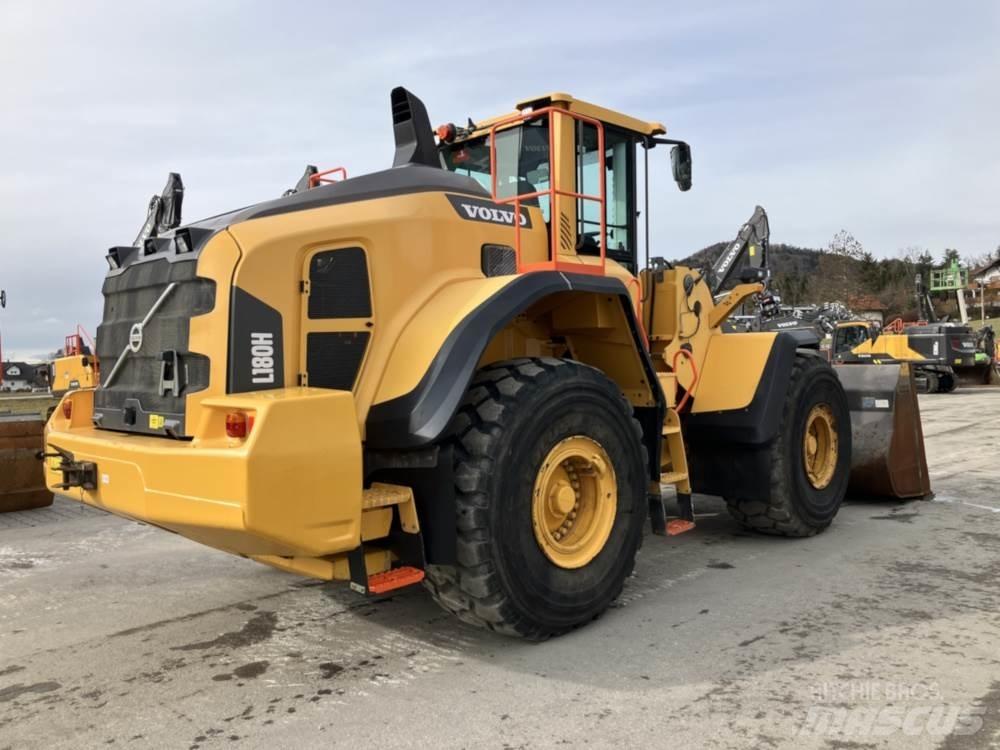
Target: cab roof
573,104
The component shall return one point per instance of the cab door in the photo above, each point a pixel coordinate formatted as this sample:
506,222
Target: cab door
336,317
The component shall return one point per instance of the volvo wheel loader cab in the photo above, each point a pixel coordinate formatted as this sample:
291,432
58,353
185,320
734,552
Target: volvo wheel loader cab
454,370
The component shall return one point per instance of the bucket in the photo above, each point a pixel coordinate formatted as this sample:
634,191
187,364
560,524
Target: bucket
888,458
22,480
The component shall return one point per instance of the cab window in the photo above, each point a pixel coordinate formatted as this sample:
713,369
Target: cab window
619,176
522,155
522,162
849,337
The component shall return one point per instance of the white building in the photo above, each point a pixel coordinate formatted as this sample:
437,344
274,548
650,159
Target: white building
19,376
988,274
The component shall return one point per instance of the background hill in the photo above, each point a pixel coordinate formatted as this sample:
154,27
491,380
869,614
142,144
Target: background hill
845,272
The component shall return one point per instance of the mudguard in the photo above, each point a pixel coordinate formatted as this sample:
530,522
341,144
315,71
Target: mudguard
420,417
729,451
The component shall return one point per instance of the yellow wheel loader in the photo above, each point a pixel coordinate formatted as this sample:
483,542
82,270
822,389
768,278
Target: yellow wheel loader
937,352
453,371
77,366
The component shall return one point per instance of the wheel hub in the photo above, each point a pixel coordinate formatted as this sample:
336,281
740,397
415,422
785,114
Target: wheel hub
820,446
575,501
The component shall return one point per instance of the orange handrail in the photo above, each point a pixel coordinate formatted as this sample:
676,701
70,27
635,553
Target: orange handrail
73,344
553,264
321,178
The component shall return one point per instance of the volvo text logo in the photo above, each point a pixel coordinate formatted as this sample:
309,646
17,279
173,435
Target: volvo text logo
496,215
473,209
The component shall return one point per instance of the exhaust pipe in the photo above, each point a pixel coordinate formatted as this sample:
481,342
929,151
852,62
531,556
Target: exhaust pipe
411,128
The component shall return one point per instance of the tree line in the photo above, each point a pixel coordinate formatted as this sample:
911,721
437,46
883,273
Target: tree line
844,271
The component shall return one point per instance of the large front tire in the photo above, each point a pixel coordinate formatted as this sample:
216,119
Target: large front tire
550,474
810,458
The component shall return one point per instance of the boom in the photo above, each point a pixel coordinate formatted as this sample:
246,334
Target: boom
752,239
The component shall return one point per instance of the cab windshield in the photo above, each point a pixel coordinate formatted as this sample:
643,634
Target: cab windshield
848,337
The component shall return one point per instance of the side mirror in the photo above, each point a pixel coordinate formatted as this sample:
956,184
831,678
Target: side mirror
680,161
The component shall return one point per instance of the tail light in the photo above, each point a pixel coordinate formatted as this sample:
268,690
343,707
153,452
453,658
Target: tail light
67,408
237,425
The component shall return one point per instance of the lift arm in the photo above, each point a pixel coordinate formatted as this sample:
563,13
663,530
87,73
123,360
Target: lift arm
164,211
724,307
753,240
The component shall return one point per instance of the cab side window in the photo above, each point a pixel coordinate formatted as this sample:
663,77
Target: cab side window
619,176
523,163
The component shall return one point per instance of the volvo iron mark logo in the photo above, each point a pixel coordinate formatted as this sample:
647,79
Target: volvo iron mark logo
135,338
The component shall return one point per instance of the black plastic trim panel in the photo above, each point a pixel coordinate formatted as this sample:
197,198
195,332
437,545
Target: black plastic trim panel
256,345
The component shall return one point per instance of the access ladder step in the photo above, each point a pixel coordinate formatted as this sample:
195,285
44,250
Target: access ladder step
673,477
381,495
397,578
677,526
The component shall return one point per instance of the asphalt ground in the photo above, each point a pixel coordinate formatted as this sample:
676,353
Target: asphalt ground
884,631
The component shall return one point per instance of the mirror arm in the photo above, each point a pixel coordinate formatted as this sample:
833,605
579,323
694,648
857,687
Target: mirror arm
652,141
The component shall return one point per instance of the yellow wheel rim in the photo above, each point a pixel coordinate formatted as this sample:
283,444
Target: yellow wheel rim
575,501
819,446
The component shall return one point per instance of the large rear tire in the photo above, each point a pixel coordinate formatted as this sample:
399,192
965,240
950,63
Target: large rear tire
810,458
550,474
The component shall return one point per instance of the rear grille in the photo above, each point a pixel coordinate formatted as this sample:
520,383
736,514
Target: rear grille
136,399
333,359
338,281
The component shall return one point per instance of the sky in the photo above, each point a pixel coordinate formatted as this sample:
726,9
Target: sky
881,118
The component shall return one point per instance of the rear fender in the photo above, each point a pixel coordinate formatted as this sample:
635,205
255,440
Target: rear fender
594,315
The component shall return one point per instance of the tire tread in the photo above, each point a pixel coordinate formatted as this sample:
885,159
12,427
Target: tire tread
472,590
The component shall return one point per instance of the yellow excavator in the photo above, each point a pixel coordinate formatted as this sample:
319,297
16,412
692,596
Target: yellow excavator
458,370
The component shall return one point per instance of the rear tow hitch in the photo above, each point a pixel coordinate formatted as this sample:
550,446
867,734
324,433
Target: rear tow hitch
75,473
